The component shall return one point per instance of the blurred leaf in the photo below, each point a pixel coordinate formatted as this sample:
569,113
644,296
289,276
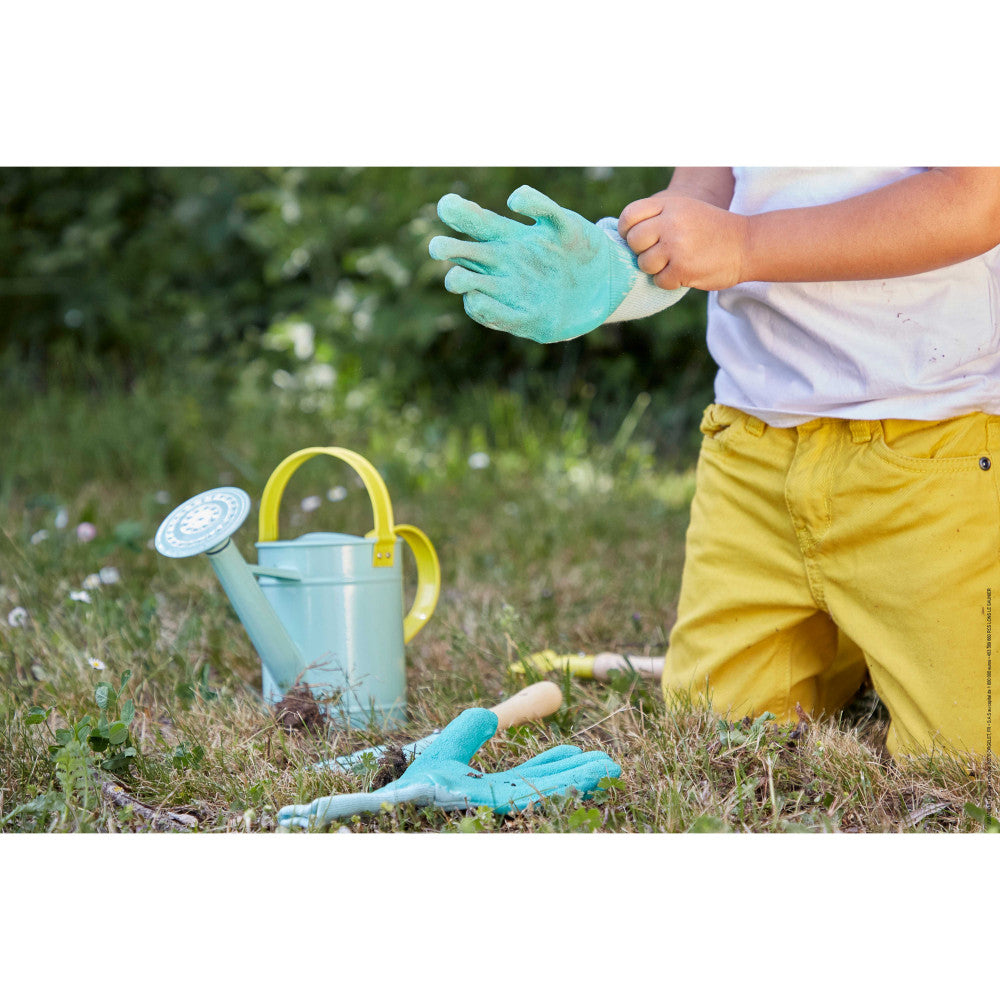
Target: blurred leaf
131,535
36,716
120,761
708,824
103,695
989,823
117,733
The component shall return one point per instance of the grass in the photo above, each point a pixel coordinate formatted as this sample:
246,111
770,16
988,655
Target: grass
558,542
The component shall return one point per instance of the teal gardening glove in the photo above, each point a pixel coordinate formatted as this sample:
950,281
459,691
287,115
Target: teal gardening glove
441,776
551,281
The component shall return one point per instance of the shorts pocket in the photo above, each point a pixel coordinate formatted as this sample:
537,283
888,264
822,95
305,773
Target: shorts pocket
719,423
962,443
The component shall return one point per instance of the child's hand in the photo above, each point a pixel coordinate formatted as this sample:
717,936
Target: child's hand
684,242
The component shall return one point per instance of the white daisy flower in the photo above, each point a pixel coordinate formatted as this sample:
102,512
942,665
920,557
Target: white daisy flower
39,536
80,595
93,661
92,582
109,574
17,617
479,460
309,504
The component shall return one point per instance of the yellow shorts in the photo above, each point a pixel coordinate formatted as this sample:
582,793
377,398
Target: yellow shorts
819,554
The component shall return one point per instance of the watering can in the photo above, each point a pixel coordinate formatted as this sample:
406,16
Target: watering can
324,609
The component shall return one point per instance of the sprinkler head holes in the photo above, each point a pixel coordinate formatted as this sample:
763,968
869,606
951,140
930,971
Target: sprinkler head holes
202,523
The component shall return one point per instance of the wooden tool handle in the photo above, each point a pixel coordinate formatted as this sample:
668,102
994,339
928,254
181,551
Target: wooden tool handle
534,702
651,666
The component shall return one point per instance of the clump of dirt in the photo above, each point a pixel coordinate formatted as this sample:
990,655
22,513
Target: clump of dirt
299,709
390,767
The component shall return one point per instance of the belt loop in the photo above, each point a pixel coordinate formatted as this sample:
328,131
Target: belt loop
861,431
755,426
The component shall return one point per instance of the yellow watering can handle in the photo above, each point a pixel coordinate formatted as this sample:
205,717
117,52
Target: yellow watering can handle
428,579
385,536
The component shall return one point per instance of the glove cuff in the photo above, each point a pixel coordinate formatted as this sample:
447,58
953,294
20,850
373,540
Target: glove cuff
633,294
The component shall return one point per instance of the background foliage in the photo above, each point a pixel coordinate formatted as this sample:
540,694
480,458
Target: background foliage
216,280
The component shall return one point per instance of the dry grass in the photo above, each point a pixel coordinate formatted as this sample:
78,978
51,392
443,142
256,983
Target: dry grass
549,557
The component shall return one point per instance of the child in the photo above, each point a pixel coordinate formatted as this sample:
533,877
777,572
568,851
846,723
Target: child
846,519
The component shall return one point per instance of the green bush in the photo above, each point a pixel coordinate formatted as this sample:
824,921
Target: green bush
121,276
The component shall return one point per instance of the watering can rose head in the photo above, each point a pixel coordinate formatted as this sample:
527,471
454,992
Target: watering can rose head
324,609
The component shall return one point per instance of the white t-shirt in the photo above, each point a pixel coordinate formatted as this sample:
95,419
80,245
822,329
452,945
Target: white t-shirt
925,347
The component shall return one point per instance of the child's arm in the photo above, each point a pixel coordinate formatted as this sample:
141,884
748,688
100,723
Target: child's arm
929,220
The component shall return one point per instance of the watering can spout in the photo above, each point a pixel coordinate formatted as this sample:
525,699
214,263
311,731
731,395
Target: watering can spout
280,656
204,525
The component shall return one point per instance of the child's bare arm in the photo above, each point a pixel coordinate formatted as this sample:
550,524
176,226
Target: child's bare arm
923,222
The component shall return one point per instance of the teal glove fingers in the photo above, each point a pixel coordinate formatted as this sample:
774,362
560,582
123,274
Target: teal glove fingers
488,312
527,201
510,791
487,228
556,279
473,220
480,298
480,257
457,743
578,765
548,757
461,281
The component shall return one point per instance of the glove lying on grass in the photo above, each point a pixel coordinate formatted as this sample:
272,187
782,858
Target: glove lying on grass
441,776
551,281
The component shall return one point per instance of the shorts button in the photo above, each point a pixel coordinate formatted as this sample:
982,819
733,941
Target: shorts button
984,464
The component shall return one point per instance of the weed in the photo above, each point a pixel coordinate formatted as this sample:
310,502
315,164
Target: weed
80,750
482,820
989,823
110,736
584,820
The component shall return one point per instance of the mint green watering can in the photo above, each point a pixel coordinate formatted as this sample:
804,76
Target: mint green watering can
324,609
